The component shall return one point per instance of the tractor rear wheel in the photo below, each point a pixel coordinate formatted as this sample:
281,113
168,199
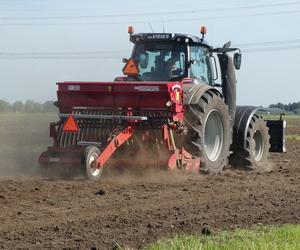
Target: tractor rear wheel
256,152
89,167
208,131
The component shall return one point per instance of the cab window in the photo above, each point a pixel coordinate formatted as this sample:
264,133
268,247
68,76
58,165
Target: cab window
200,68
160,62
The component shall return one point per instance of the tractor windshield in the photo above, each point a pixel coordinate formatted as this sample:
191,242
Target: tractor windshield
160,62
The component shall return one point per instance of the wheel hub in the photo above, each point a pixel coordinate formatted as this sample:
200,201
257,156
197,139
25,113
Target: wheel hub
213,135
257,145
94,170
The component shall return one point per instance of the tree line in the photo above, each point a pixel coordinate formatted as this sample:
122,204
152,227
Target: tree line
28,106
291,107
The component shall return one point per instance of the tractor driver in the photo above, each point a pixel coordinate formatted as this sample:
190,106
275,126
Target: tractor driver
172,65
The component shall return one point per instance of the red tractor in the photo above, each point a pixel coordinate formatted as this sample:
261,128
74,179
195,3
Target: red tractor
167,110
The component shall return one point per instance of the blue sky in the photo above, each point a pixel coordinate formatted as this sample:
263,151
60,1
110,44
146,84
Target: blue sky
43,27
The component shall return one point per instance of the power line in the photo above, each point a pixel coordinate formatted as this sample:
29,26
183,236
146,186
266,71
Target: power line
156,21
234,16
100,57
150,13
268,43
105,53
205,3
119,52
265,49
78,53
60,57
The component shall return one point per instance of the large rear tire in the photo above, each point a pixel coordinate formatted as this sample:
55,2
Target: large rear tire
255,154
208,131
89,167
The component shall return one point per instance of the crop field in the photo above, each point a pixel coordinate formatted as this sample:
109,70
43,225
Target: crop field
135,209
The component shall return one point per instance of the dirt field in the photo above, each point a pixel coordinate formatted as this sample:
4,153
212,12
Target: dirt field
136,209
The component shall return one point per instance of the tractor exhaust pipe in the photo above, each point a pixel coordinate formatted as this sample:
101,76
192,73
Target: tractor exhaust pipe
228,84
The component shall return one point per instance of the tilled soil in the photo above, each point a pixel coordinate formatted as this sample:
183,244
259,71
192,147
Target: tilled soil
133,210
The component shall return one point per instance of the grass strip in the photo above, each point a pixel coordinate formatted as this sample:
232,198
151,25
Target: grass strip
293,137
286,237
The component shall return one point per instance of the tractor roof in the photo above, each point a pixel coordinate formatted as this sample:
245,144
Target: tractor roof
168,37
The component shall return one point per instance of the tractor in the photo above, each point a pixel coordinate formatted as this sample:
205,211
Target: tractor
175,107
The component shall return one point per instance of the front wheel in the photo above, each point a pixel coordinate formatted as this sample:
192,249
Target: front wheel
89,164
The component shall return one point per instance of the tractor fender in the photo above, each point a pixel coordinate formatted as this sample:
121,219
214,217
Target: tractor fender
242,120
193,92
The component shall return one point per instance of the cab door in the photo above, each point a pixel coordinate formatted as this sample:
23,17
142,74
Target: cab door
201,68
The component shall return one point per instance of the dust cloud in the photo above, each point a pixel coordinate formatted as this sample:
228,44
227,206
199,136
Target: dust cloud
23,137
142,162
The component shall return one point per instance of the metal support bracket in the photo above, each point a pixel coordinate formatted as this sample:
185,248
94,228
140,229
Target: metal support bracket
112,146
179,158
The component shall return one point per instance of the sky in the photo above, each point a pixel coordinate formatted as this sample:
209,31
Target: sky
46,41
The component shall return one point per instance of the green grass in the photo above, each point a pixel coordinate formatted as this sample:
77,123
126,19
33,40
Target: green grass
286,237
276,117
293,137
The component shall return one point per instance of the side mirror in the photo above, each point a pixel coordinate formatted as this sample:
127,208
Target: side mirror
237,60
124,60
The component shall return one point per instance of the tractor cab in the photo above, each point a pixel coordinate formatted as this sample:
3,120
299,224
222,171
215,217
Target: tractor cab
171,57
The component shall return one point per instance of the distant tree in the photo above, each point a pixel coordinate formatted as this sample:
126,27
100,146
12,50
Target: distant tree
4,106
31,106
297,111
17,106
291,107
48,106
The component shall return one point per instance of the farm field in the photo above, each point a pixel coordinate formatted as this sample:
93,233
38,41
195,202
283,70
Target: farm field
133,208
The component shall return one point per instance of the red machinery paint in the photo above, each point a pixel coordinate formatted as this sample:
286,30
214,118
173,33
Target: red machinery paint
134,106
